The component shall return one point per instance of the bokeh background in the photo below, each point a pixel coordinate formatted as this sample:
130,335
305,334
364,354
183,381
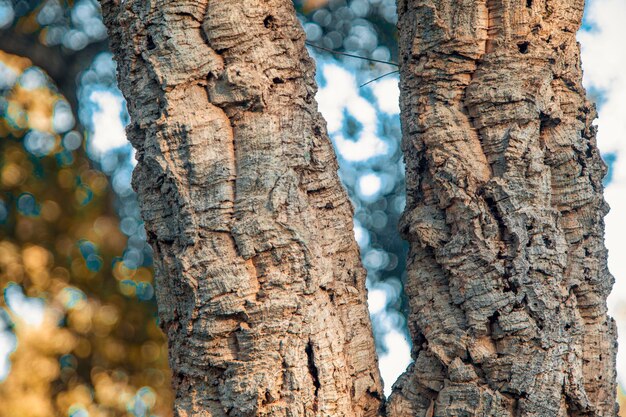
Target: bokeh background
79,335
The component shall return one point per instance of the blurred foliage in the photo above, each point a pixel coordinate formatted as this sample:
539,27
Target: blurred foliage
71,24
363,27
85,345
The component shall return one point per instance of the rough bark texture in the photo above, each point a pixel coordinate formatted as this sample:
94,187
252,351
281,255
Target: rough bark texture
260,289
507,275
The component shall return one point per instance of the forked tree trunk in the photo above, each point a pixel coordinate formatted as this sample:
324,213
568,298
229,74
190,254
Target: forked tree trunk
259,283
260,289
507,275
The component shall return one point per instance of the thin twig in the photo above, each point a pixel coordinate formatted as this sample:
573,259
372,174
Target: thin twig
350,55
378,78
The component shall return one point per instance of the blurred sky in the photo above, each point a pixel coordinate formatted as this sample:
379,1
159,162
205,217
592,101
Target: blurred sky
340,99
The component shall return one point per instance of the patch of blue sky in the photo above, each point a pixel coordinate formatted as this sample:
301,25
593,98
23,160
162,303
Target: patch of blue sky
102,108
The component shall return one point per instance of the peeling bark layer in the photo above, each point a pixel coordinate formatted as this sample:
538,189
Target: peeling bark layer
507,276
260,288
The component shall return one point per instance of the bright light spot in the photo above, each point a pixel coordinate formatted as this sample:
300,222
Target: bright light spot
396,360
368,146
8,76
107,123
369,185
32,78
30,310
387,93
72,140
62,117
39,143
361,235
376,300
72,297
375,259
340,95
6,13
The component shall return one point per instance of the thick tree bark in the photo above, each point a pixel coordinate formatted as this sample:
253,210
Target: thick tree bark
260,288
259,285
507,275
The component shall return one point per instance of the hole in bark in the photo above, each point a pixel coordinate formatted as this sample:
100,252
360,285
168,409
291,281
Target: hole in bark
529,3
420,340
374,394
568,326
549,243
278,80
510,287
493,210
523,47
150,43
269,23
493,322
312,368
268,398
494,317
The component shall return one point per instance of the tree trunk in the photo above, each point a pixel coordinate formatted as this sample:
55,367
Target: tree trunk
259,285
507,275
260,288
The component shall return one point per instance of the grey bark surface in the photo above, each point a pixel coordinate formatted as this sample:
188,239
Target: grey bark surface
507,275
259,283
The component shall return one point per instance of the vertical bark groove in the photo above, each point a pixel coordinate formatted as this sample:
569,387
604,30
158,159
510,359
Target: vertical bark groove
507,275
260,288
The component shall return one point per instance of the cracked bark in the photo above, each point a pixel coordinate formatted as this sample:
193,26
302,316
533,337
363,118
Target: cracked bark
507,275
260,288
